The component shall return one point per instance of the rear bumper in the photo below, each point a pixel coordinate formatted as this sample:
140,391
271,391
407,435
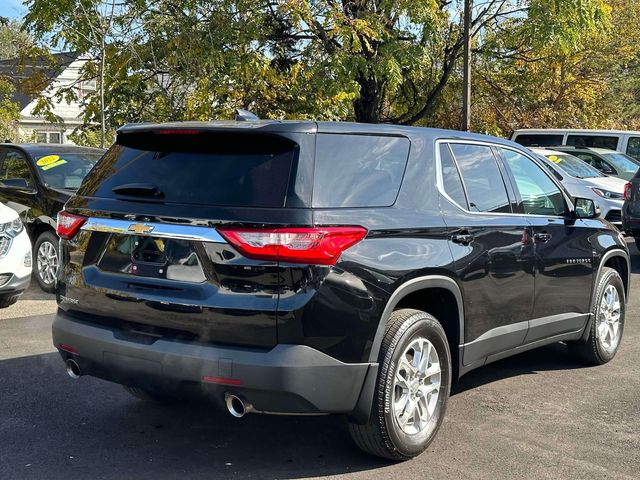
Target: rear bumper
285,379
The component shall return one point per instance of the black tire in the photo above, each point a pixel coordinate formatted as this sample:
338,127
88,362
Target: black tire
382,436
593,350
148,395
8,300
50,237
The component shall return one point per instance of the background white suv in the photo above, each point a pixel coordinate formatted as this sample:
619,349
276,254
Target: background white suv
15,257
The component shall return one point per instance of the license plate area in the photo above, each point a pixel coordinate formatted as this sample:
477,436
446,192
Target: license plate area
153,257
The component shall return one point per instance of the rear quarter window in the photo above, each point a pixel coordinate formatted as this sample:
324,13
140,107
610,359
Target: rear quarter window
358,170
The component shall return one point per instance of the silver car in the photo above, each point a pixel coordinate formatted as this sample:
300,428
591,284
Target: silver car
582,180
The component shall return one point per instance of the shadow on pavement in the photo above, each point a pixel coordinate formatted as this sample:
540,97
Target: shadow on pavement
551,357
54,427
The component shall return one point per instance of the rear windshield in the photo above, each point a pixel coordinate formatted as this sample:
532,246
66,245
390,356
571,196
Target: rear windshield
539,139
65,169
574,166
197,168
358,170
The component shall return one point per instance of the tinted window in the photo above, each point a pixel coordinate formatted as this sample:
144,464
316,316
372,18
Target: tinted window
15,165
596,141
633,147
452,183
539,139
540,196
358,170
482,178
211,169
65,169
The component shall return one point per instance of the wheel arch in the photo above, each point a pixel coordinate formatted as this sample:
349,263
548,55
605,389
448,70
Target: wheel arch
617,259
41,225
432,294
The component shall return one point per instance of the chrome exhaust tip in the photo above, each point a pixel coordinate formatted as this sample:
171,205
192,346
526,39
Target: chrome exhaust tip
236,406
73,369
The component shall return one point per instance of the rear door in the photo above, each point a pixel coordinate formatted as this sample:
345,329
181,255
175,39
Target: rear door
491,247
563,253
150,258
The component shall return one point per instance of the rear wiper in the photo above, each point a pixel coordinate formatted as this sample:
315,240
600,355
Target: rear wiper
138,190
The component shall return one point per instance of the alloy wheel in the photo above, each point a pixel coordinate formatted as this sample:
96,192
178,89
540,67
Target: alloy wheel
47,263
416,386
608,319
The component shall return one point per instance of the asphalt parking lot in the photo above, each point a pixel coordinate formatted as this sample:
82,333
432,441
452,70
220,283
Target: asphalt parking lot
537,415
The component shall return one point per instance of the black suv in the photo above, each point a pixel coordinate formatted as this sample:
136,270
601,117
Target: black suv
305,268
36,180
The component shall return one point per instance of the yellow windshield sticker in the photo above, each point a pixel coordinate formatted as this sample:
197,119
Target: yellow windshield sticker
50,161
554,158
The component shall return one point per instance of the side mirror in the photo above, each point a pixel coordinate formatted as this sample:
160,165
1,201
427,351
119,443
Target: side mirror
586,208
608,170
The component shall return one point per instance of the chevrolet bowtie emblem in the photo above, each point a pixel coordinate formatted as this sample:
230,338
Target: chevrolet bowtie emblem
140,228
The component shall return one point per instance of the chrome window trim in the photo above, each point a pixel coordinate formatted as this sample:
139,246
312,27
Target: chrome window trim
440,180
159,230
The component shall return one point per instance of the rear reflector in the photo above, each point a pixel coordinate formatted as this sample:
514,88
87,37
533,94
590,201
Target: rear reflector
627,191
221,380
321,245
68,349
69,224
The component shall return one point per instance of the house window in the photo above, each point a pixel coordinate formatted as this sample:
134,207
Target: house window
49,137
86,87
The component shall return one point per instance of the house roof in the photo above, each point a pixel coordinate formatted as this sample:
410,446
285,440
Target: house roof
32,75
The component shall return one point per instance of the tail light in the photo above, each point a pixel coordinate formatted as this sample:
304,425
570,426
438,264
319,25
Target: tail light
321,245
69,224
627,191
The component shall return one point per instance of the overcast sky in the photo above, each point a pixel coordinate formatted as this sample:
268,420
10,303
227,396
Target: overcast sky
12,9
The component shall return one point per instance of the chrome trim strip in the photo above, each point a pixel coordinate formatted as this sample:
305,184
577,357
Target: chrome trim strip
159,230
440,180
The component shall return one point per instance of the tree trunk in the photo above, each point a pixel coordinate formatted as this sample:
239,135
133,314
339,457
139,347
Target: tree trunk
367,106
102,65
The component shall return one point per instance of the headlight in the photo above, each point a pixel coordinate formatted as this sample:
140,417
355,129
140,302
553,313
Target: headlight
607,193
12,228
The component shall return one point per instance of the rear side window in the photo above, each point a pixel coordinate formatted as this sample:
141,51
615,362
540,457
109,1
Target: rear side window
595,141
226,169
358,170
633,147
451,180
482,178
539,139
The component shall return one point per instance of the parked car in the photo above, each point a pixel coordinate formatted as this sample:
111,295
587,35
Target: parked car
35,181
609,162
618,140
15,257
306,268
582,180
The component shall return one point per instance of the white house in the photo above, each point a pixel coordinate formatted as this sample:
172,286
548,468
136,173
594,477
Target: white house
38,76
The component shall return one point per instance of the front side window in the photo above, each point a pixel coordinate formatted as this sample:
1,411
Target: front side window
482,178
591,159
633,147
540,196
15,166
622,162
593,141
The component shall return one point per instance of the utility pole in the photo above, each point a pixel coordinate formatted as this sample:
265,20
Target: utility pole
466,97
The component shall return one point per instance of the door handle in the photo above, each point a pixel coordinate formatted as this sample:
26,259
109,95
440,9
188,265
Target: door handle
463,238
543,237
